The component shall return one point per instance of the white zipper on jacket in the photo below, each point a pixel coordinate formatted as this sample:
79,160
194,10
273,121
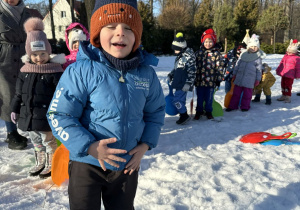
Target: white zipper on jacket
125,113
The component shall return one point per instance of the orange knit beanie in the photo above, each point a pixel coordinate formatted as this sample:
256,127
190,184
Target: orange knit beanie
116,11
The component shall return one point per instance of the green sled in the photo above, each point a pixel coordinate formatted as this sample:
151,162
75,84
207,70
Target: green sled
217,108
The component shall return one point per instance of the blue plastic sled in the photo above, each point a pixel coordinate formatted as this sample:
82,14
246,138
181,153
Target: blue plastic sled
170,108
280,142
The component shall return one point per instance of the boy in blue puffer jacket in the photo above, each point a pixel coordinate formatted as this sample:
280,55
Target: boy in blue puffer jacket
108,109
182,76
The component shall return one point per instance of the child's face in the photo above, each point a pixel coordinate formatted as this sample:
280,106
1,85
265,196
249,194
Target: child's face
253,49
39,57
117,39
75,45
208,43
12,2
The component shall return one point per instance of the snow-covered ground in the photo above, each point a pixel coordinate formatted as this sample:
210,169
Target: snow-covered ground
200,165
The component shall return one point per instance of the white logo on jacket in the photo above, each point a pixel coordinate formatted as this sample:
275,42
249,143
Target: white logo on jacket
141,83
54,122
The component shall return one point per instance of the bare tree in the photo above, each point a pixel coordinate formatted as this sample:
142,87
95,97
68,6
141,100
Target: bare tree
175,17
289,4
89,6
194,6
52,20
72,10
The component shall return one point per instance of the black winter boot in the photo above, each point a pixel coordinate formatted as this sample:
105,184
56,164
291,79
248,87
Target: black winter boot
17,134
209,115
268,100
198,115
257,98
16,141
184,117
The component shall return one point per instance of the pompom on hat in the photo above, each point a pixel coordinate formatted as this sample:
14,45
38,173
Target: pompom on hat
254,41
293,47
116,11
36,38
179,42
209,33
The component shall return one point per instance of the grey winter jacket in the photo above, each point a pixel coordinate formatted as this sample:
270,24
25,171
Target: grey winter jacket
12,48
248,69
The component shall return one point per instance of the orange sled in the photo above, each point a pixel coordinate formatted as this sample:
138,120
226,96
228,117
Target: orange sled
60,162
228,96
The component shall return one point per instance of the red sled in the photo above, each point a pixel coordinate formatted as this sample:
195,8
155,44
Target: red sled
258,137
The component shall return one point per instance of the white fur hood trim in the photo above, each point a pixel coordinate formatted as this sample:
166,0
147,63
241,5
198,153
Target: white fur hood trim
54,58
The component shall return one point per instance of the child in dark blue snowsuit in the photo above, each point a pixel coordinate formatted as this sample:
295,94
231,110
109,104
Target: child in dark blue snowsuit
182,76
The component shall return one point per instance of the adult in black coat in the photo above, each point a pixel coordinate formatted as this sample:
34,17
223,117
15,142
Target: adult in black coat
13,14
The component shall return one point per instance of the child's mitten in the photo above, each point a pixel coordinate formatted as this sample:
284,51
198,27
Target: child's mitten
186,87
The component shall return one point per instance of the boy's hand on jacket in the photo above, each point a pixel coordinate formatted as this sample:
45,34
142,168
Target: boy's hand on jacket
100,151
186,87
14,117
256,83
138,153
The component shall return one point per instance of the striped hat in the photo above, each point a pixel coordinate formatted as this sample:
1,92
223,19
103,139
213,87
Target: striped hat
116,11
179,43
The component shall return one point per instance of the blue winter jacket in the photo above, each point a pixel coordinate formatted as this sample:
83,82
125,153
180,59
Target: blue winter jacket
91,104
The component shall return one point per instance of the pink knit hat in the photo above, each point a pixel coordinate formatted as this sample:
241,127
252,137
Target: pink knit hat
36,38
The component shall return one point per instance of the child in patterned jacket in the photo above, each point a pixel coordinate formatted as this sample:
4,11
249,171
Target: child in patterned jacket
182,76
209,73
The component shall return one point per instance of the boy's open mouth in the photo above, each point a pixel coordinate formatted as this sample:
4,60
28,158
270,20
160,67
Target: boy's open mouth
119,44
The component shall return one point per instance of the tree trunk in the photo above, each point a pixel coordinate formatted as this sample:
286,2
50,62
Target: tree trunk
89,6
52,20
274,48
72,10
225,46
288,12
151,6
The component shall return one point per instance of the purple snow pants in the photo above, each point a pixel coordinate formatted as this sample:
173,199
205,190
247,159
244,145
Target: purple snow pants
246,99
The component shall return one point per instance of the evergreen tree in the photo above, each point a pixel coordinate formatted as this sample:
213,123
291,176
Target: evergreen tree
204,16
149,31
224,22
273,19
246,16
